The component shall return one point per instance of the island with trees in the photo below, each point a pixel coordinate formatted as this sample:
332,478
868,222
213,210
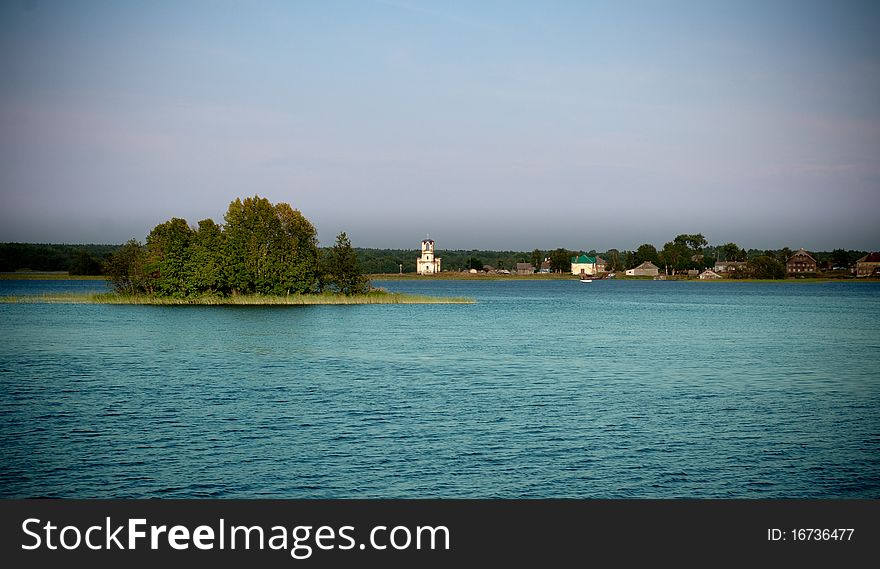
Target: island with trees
263,253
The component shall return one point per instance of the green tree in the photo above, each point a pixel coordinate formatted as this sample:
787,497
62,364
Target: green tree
166,255
537,258
343,271
251,231
784,255
125,268
695,243
270,249
731,252
840,258
613,261
675,255
85,264
560,260
204,265
645,252
474,263
766,267
298,252
684,252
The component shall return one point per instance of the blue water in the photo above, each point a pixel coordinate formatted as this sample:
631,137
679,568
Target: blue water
541,389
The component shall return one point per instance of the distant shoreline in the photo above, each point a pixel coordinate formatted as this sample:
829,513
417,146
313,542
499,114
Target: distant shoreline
458,276
48,276
454,276
237,300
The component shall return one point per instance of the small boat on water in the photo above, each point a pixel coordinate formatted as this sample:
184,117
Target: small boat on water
586,280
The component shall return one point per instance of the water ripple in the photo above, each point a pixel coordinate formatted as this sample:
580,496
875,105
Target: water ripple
628,389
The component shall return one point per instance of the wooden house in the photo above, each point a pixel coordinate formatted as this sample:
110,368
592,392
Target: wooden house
800,264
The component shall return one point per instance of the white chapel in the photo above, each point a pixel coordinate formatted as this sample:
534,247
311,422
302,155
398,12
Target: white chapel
427,264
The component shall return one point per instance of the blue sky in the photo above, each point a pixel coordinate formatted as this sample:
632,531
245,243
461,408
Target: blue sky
505,125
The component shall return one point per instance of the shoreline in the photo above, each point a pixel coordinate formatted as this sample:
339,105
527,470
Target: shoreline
456,276
49,276
240,300
569,277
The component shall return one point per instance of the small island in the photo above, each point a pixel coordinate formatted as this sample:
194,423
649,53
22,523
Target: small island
264,254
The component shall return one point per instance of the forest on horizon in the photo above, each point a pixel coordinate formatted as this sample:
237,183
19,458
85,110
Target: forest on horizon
90,259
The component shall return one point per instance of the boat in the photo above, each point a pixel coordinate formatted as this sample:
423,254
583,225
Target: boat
586,280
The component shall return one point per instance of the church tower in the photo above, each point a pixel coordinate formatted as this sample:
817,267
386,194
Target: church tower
427,264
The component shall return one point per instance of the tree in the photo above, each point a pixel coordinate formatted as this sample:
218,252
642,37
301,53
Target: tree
675,255
299,251
537,258
125,268
251,231
840,258
166,254
694,243
731,252
204,266
784,255
645,252
684,252
270,249
343,271
613,260
766,267
85,264
475,263
560,260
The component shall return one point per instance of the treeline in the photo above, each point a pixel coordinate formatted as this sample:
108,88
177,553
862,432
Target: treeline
684,252
76,259
260,249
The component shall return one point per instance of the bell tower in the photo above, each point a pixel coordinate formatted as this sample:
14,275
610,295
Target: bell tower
427,264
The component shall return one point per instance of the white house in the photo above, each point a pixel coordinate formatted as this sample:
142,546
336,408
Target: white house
583,265
427,264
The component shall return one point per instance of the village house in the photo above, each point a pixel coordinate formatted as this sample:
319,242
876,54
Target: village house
869,265
583,265
709,274
545,266
600,264
524,269
800,264
427,264
729,266
646,269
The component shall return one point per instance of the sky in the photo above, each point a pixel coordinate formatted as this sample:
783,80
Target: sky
484,124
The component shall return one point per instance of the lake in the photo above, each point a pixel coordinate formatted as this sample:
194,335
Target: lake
614,389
